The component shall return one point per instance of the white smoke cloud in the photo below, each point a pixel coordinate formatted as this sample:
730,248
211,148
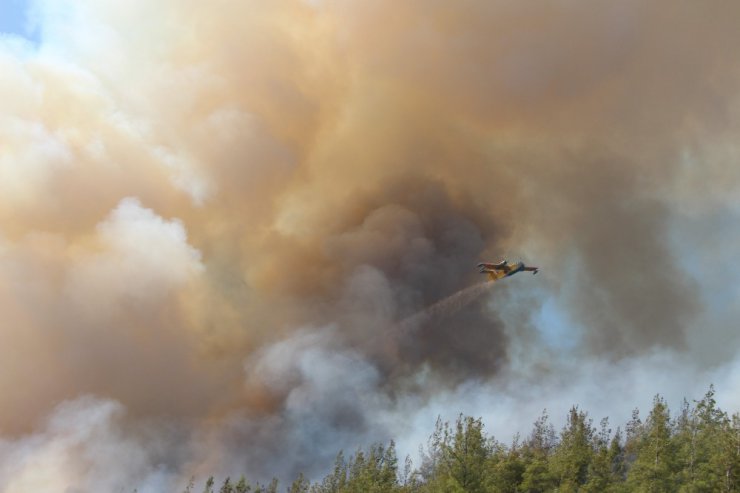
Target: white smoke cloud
82,447
143,257
30,155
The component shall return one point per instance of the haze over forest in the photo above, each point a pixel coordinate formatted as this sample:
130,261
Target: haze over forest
221,221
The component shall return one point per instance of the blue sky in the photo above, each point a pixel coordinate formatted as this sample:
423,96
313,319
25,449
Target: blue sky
14,19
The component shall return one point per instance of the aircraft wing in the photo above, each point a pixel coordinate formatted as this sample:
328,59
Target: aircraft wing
500,266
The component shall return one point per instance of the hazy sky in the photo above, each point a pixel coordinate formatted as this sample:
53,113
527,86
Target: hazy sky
15,19
223,225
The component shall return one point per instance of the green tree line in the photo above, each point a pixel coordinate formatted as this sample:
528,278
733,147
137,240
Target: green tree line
696,450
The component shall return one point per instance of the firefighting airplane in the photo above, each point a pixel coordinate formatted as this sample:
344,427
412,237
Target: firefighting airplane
505,269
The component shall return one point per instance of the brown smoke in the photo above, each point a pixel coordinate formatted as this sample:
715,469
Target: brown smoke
190,191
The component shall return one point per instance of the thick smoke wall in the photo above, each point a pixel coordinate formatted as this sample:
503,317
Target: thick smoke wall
223,225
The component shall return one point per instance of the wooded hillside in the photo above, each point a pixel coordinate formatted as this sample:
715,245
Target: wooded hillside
696,449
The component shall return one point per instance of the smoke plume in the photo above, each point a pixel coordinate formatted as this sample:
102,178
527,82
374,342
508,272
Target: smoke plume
230,231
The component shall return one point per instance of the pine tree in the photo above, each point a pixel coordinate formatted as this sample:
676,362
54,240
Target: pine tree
656,467
731,455
374,471
617,460
300,485
465,454
543,438
634,431
506,468
684,440
336,480
243,486
409,477
537,476
388,473
574,455
209,485
711,424
272,487
227,487
432,456
599,471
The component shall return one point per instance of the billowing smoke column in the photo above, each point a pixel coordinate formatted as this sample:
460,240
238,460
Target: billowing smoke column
215,218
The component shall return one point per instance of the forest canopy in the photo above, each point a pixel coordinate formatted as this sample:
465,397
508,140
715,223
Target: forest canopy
693,449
